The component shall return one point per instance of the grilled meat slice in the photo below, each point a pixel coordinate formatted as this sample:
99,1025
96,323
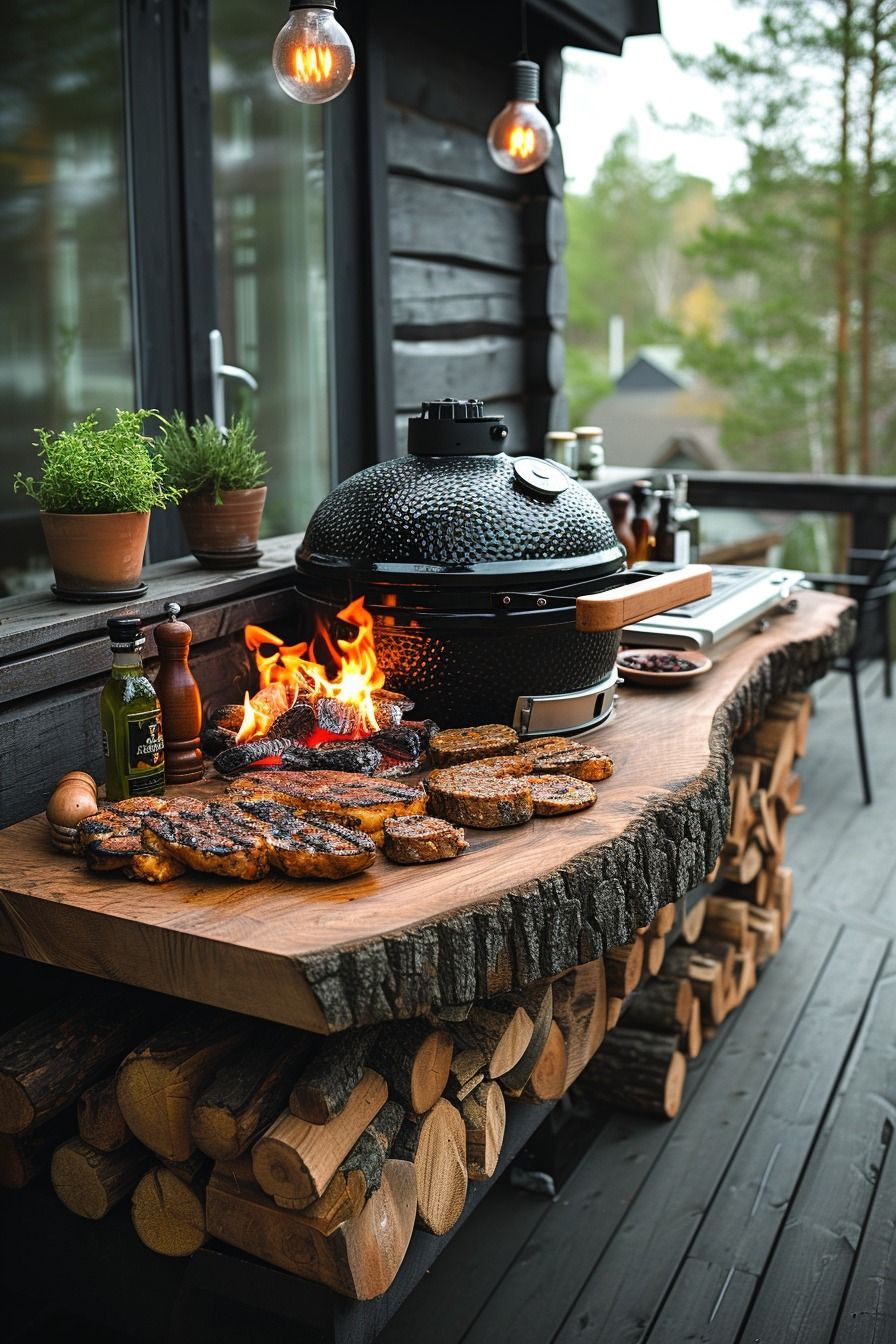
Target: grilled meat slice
354,800
554,795
580,762
309,846
111,840
421,840
479,798
216,838
454,746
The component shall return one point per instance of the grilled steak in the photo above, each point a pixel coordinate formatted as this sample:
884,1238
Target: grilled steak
111,840
479,798
553,795
309,846
355,800
581,762
215,838
421,840
454,746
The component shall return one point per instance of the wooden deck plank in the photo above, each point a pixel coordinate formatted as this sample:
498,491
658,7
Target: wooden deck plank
612,1215
706,1305
621,1297
868,1315
800,1295
750,1205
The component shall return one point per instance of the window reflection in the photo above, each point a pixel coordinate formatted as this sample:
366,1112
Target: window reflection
65,311
271,254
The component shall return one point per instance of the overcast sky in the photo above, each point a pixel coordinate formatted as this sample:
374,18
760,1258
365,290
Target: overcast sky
602,94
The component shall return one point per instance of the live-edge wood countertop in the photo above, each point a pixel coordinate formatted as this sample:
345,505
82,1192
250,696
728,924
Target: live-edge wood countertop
521,904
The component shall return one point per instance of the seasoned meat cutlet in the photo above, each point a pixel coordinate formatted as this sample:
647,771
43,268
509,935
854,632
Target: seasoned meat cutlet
309,846
111,841
554,795
421,840
455,746
219,838
479,798
491,765
353,800
580,762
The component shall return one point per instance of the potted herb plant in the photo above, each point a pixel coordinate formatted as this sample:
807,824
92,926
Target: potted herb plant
220,473
95,492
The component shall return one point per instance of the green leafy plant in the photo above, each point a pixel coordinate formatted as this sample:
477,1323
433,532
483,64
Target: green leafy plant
202,459
91,469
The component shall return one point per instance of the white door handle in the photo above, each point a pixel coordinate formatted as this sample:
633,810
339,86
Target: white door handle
220,371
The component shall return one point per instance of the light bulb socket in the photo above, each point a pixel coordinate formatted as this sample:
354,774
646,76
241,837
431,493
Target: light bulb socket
524,80
314,4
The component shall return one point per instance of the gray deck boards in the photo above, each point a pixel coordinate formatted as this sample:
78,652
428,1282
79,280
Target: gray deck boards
764,1214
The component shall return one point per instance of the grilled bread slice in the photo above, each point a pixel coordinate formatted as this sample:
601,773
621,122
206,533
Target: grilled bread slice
553,795
421,840
309,846
580,762
353,800
455,746
479,798
216,838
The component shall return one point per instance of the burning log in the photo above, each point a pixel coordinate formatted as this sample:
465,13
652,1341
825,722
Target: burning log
281,753
358,757
403,744
337,717
260,753
296,723
390,707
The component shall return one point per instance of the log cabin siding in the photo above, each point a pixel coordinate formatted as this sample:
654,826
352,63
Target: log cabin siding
478,290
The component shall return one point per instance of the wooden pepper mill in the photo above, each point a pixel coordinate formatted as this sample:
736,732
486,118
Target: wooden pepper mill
180,700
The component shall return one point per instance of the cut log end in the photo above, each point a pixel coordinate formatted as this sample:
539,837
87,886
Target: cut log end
484,1116
169,1215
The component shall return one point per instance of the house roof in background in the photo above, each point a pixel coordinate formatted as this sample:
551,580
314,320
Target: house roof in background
649,428
654,367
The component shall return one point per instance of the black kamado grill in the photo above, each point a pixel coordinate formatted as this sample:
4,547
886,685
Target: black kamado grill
497,585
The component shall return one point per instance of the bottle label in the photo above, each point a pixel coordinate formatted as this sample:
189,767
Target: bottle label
682,547
146,746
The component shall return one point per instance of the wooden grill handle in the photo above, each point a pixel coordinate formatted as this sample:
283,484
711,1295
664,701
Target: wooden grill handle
629,603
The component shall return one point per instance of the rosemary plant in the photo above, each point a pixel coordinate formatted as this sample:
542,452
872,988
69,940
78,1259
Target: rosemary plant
202,459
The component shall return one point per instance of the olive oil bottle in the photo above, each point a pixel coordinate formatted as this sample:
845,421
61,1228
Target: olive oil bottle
131,719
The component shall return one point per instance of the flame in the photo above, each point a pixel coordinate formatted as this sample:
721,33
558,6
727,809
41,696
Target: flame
286,674
314,65
521,142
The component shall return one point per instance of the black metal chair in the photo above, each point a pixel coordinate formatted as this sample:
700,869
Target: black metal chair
872,591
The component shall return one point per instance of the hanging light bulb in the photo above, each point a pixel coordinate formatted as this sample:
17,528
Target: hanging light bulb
313,55
520,137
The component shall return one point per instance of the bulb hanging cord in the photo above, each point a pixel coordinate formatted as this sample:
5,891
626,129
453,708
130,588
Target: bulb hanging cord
524,45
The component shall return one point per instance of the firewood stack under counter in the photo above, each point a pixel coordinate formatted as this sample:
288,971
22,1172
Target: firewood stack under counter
322,1154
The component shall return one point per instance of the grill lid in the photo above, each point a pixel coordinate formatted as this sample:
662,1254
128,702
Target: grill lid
475,516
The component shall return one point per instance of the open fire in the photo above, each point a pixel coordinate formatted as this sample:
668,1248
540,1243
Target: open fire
295,672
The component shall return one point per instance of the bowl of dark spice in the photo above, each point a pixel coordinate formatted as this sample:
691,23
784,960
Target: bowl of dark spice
662,667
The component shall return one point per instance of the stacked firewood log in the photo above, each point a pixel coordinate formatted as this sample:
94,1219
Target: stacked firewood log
321,1155
676,982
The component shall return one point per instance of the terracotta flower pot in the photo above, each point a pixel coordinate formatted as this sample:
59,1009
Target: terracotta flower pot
95,552
224,535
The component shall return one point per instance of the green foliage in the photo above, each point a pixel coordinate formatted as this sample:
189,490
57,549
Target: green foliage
89,469
202,459
586,382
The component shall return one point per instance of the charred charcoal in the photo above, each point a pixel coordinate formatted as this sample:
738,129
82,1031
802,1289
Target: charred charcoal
390,707
300,758
297,723
404,743
390,768
335,717
216,739
358,757
427,728
254,755
227,716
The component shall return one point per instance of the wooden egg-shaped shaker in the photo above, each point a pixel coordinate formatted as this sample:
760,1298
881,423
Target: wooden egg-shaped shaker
180,700
73,798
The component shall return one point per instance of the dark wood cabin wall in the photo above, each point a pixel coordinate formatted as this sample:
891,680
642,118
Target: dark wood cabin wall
49,700
478,288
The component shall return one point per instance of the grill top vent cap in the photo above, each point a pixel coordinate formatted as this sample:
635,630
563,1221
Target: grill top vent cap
454,428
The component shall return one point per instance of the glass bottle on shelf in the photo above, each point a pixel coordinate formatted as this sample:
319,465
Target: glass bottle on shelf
590,451
620,506
642,523
131,719
687,523
666,527
561,445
